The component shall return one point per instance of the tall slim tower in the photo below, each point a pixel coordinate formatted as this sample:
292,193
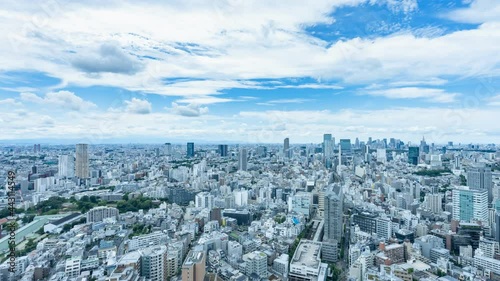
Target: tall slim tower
286,147
242,160
333,214
190,149
82,161
327,145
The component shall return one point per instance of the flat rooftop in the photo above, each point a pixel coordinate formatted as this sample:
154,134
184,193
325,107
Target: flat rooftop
193,258
307,254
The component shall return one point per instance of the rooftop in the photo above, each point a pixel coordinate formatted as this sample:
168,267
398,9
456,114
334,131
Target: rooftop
66,218
193,257
307,254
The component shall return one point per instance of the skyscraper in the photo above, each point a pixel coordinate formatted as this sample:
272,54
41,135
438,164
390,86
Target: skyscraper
222,150
190,149
82,161
327,146
242,160
286,147
480,177
66,166
470,204
168,149
413,155
345,144
333,213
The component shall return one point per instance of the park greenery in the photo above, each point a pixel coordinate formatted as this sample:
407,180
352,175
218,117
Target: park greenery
56,205
432,173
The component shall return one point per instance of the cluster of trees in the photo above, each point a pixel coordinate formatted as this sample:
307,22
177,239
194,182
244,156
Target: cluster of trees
432,173
135,204
336,272
139,229
296,242
55,205
280,219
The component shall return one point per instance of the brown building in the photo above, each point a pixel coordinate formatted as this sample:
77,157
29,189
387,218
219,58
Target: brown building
193,268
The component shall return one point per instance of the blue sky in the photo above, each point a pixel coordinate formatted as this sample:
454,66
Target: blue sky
250,71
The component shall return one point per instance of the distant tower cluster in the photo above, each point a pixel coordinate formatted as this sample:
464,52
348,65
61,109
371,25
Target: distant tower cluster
36,148
82,161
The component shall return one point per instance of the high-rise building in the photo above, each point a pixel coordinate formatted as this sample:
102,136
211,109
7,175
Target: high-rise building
256,263
190,149
333,213
382,155
193,268
168,149
66,166
470,204
100,213
481,178
328,146
242,160
433,203
413,155
82,161
204,200
345,144
154,263
286,147
384,228
300,202
222,149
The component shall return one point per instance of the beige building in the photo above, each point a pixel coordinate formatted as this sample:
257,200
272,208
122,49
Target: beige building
193,268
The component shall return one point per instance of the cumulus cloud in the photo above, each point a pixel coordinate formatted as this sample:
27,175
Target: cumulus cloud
109,58
190,110
64,99
138,106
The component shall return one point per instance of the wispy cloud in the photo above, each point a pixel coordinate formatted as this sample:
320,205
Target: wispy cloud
429,94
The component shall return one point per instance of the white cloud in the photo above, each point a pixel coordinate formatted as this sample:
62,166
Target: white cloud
430,94
281,101
439,125
205,100
480,11
224,43
108,58
63,99
138,106
190,110
10,102
494,101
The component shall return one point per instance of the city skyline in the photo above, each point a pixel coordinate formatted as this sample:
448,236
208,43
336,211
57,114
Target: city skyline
250,73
